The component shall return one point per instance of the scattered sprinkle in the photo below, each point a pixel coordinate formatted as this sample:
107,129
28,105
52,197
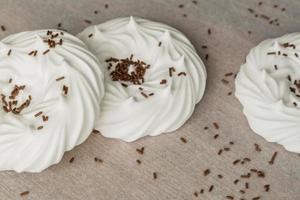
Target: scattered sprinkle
171,69
271,162
216,125
65,90
183,140
206,172
145,95
3,28
9,52
256,198
98,160
211,188
164,81
38,114
60,78
154,175
224,81
229,74
267,188
87,21
72,160
257,147
182,73
141,150
25,193
206,57
45,52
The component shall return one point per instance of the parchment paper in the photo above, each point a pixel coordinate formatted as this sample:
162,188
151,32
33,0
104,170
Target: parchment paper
179,166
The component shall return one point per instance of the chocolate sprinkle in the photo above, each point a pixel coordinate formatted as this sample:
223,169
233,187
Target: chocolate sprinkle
256,198
206,172
145,95
182,73
196,194
171,69
257,148
216,125
72,160
24,193
163,81
271,162
141,150
98,160
139,162
38,114
183,140
45,52
209,31
154,175
206,57
211,188
87,21
267,188
60,78
65,90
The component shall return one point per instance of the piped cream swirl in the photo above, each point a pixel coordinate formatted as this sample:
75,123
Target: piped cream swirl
65,85
127,113
268,86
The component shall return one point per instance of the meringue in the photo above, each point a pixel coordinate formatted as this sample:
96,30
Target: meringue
153,77
268,86
50,86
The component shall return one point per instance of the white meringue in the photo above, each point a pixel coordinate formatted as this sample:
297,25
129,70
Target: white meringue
64,83
267,86
129,113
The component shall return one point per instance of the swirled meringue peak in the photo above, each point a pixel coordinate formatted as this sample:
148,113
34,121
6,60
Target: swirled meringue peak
50,86
153,77
268,86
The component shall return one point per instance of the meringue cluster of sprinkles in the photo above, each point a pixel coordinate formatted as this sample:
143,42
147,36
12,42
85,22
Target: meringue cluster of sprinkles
50,87
153,77
268,86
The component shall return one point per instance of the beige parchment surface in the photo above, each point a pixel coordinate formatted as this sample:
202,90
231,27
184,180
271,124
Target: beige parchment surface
179,165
